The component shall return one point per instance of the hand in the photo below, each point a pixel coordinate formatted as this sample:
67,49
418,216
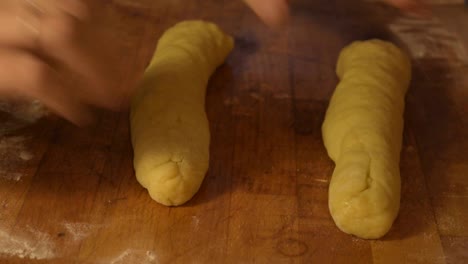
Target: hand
274,12
44,56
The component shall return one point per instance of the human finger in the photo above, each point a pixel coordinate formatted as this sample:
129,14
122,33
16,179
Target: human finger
26,75
61,42
272,12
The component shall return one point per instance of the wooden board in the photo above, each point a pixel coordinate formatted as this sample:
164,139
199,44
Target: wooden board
69,195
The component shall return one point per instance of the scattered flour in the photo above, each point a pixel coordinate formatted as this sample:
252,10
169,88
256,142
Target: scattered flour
195,222
32,245
10,176
80,231
231,101
17,115
136,256
28,112
25,155
429,39
321,180
13,154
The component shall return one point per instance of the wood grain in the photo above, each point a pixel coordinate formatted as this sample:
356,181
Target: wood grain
69,195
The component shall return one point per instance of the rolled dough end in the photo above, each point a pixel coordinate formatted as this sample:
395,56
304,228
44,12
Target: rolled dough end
169,185
353,217
364,195
364,228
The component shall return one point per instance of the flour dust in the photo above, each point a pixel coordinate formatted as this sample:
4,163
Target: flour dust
31,244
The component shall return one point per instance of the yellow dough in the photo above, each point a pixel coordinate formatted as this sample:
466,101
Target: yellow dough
362,133
169,126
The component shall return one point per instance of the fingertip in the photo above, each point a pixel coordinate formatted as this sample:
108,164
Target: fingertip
277,15
274,12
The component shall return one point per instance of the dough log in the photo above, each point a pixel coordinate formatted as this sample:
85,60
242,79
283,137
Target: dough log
169,126
362,133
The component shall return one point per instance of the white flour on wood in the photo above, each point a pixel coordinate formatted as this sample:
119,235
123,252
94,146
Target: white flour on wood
429,39
26,111
16,115
80,231
135,256
13,151
29,245
13,156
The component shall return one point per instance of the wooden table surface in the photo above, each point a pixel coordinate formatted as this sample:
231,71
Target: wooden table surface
69,195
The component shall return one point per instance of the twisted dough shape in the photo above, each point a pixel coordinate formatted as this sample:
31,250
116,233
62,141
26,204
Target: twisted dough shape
362,133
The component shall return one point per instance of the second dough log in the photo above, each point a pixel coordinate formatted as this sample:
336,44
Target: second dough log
362,133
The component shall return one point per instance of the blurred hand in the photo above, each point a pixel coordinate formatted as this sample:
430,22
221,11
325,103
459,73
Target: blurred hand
274,12
48,53
45,54
416,7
